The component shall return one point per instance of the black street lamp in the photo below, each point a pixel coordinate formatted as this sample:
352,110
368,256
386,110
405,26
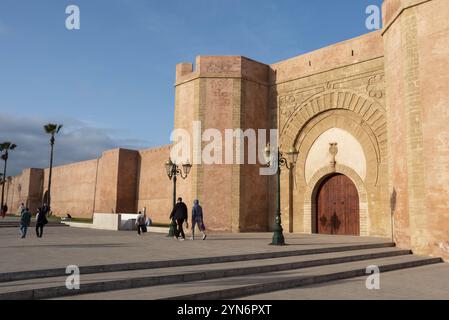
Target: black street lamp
292,155
173,171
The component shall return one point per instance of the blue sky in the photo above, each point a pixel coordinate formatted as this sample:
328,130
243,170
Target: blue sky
111,82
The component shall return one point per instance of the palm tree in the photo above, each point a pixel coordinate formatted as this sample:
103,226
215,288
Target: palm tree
52,130
5,147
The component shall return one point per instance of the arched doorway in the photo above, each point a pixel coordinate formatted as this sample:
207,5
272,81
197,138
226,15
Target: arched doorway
337,206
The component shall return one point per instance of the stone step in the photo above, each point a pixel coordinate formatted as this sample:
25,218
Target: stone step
45,288
242,286
13,224
37,274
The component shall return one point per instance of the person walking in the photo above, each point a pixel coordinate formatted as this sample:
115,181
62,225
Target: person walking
179,215
41,221
4,210
45,209
197,219
21,208
25,219
141,223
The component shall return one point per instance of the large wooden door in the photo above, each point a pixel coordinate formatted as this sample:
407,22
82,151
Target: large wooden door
337,205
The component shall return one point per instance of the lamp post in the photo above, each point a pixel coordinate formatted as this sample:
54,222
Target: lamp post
173,171
292,155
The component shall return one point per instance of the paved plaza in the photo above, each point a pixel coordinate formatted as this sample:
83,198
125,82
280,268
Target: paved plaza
255,267
65,246
426,283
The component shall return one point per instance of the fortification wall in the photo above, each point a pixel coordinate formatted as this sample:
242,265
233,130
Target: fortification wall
416,33
73,189
154,189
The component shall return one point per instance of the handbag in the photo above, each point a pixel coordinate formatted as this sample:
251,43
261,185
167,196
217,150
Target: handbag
45,221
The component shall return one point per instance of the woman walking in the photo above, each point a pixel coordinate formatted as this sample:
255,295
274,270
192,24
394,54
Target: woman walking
197,219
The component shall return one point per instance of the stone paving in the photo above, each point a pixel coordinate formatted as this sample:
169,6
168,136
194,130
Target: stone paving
422,283
61,247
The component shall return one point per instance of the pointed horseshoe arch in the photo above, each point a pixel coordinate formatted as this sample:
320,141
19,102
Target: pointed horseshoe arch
361,116
371,113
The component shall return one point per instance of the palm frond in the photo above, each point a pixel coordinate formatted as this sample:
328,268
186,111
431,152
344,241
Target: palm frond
52,128
7,146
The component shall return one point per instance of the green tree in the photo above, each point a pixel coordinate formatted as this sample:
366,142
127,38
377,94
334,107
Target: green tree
52,130
5,147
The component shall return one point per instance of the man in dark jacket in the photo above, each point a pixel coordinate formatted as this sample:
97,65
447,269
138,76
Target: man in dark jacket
4,210
179,215
41,221
25,219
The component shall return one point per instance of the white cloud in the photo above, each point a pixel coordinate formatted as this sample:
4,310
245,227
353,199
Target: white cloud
77,141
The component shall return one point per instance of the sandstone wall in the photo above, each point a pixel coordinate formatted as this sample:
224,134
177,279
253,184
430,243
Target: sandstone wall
254,112
104,185
225,93
73,189
25,188
416,33
154,189
340,86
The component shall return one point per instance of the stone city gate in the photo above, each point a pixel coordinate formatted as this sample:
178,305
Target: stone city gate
339,185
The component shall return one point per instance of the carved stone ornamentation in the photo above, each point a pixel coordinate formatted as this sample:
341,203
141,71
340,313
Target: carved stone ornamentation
218,67
333,150
287,105
376,86
221,96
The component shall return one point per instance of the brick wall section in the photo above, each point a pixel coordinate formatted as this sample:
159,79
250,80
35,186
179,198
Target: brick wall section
414,139
433,39
72,188
154,189
417,60
25,188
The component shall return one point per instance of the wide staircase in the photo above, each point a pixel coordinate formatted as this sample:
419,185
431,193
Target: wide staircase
218,277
